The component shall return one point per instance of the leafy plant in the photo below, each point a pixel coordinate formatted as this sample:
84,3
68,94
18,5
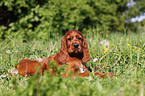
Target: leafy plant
45,19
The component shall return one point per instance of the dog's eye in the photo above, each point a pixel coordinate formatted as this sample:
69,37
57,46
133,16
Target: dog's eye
69,39
80,38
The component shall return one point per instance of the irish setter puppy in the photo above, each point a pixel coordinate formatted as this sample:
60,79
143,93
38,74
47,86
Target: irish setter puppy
73,52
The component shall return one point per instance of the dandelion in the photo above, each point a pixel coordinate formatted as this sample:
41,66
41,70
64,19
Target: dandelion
135,47
128,44
105,52
44,81
106,48
95,59
14,71
142,50
132,49
8,51
121,37
117,38
95,43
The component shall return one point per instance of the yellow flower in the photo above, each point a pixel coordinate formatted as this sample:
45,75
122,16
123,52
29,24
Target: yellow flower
105,52
132,49
95,43
121,37
106,48
141,47
117,38
44,81
128,44
127,39
135,47
142,50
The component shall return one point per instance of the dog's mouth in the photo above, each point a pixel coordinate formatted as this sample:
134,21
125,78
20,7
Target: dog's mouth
76,51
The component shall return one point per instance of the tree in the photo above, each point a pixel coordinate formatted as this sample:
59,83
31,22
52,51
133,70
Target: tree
46,18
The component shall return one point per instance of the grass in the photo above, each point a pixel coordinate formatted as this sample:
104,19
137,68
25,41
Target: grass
123,54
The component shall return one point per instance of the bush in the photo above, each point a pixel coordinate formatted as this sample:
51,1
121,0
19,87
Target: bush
35,18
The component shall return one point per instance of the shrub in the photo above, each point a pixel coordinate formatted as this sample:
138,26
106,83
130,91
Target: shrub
34,19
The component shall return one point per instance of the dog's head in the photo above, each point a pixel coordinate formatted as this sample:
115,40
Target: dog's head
75,45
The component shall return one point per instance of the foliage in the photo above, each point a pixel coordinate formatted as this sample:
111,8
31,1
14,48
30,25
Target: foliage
43,19
124,55
138,8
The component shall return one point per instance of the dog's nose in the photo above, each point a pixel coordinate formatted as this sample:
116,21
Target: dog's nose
75,45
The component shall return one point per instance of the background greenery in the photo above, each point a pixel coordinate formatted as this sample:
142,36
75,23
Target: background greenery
43,19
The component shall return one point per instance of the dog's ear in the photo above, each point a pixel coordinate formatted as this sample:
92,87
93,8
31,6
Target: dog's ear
63,54
86,55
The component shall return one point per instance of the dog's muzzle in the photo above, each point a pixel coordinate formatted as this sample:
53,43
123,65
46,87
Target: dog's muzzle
75,45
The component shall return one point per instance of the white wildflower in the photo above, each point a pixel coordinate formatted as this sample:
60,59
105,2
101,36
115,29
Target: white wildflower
8,51
143,44
16,51
102,41
3,76
95,60
105,42
14,71
40,60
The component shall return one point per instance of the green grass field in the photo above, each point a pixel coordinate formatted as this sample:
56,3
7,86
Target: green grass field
122,54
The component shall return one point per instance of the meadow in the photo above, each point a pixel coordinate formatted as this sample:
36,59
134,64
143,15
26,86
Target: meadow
121,54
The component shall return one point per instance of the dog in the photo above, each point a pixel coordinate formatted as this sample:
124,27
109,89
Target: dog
74,52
